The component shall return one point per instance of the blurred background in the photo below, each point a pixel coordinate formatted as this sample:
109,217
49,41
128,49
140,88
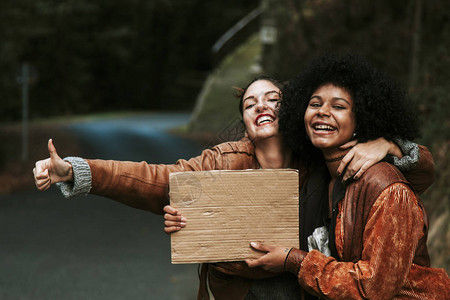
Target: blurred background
153,80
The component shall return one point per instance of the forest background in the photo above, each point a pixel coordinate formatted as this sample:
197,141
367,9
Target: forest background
135,55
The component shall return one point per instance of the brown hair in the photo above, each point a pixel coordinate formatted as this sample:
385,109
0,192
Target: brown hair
239,92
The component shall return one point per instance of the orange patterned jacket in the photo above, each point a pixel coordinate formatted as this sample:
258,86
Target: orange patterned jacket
380,237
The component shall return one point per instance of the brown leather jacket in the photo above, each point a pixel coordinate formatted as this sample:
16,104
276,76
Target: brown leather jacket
381,232
145,186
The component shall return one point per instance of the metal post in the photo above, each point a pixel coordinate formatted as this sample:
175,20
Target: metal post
269,35
25,87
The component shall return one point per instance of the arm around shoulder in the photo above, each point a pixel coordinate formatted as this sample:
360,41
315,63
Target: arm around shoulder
417,165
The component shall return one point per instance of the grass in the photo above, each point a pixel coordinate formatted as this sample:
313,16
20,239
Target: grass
217,111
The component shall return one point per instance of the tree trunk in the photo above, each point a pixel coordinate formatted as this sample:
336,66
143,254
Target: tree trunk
415,53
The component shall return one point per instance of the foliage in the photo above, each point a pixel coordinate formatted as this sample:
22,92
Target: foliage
108,55
382,30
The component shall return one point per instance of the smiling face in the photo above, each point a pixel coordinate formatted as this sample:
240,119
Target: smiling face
260,105
329,119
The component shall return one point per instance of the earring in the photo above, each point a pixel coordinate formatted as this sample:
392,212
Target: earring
354,135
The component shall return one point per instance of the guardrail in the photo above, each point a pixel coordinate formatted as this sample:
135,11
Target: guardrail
236,35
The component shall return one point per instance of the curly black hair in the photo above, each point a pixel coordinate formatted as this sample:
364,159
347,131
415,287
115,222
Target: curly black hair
381,107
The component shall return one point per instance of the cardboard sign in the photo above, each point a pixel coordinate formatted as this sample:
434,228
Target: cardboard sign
226,210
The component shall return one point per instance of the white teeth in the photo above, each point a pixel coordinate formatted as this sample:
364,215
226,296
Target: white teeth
264,119
323,127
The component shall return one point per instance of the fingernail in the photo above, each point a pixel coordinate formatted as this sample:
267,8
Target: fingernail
183,219
253,244
182,224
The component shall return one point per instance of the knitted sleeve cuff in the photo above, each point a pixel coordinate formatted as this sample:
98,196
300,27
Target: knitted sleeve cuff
82,179
410,157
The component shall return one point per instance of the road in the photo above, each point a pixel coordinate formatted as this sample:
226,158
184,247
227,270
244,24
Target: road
91,247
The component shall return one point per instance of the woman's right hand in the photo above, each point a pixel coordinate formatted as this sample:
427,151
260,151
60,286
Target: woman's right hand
51,170
173,220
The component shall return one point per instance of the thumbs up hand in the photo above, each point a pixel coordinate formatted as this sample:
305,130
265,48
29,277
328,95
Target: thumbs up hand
51,170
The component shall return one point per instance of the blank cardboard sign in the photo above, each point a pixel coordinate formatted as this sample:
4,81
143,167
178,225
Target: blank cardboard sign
226,210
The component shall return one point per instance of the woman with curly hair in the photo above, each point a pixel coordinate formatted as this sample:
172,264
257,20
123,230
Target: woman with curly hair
369,239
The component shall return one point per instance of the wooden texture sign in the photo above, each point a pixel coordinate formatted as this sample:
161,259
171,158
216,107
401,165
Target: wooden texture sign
226,210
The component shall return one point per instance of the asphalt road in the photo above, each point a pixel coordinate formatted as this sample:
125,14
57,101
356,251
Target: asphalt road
92,247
